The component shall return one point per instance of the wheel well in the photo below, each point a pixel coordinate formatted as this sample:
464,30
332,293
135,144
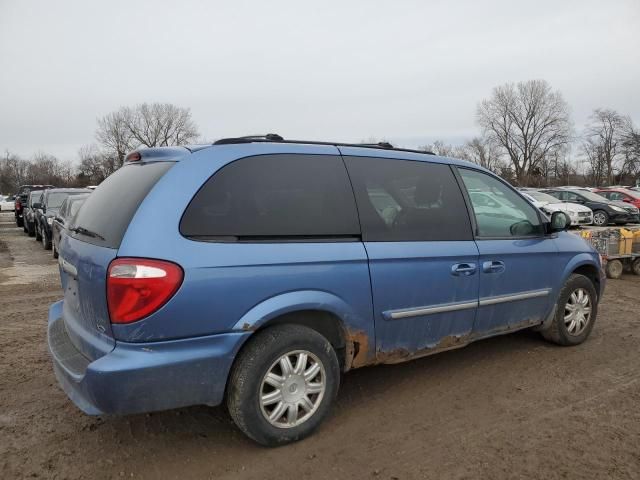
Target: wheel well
591,273
325,323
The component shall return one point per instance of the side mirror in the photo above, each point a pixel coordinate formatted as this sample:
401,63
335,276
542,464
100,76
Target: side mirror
560,221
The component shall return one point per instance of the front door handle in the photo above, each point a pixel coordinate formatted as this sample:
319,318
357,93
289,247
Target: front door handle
493,267
464,269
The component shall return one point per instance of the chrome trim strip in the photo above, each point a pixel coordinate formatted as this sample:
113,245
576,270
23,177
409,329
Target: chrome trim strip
514,298
416,312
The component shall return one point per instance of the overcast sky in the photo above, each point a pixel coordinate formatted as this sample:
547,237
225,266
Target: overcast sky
407,71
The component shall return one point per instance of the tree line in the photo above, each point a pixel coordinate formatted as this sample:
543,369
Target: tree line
526,136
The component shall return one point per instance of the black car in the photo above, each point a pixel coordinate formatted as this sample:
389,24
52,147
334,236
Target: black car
604,211
52,200
22,198
30,208
63,218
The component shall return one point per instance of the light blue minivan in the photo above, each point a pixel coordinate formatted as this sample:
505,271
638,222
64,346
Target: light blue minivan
256,270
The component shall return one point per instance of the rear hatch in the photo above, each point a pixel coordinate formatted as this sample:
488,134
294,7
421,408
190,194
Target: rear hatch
91,244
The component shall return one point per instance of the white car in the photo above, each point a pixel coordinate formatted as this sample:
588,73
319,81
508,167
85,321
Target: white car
578,214
7,204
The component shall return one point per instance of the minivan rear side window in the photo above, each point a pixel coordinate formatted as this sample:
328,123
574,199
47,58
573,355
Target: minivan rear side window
291,197
107,212
407,200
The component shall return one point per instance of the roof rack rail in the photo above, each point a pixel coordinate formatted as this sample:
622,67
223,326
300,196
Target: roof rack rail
274,137
269,137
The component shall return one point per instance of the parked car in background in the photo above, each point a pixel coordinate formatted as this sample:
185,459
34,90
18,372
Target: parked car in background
30,211
8,204
621,195
578,214
271,271
64,218
51,201
604,211
22,197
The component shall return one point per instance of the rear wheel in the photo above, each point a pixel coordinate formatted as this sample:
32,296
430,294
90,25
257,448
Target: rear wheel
283,384
600,218
576,312
614,269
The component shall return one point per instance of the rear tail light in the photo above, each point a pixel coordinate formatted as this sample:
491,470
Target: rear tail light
137,287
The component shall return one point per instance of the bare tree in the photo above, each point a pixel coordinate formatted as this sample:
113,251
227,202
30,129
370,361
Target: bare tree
630,151
95,165
150,125
528,121
602,143
484,153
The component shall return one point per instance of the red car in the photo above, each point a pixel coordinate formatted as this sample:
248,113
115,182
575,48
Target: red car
621,195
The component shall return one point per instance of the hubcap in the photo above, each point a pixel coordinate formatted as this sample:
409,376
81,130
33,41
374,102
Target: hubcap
292,389
577,312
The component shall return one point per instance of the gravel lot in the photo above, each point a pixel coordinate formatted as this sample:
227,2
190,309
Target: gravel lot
509,407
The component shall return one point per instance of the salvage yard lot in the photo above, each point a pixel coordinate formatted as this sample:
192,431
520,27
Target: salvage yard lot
509,407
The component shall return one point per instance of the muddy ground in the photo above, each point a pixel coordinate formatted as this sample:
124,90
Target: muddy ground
508,407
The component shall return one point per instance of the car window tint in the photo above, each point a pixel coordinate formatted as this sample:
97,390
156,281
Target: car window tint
109,209
499,210
291,196
405,200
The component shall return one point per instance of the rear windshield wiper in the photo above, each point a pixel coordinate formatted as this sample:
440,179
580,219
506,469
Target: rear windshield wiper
86,233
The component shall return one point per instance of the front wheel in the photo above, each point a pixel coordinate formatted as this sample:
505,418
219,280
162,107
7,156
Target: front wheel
46,243
283,384
38,233
576,312
600,218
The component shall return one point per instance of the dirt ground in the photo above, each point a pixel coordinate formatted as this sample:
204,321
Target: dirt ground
508,407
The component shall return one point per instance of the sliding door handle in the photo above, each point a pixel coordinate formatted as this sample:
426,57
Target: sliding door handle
463,269
493,267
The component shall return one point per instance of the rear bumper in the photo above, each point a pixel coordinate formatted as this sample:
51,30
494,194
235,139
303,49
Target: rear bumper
143,377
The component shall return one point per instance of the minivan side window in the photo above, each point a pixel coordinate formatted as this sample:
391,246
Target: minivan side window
285,196
407,200
499,211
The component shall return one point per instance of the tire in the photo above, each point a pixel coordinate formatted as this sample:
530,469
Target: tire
46,243
614,269
24,227
247,384
31,231
38,234
600,218
19,222
635,266
55,250
559,331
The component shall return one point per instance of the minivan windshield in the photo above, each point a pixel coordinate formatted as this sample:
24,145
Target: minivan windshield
107,212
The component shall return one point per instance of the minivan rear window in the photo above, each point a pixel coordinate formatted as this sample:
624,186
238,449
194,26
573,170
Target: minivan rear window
107,212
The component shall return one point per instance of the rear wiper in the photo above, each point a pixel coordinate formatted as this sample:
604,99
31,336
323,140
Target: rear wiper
86,233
